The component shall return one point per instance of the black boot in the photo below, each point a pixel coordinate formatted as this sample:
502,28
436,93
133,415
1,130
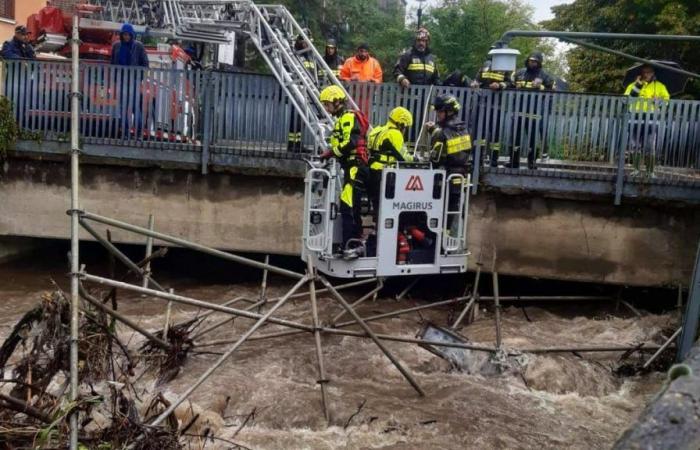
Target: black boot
514,158
495,150
531,163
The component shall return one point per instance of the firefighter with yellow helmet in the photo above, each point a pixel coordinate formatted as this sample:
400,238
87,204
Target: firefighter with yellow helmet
348,146
386,147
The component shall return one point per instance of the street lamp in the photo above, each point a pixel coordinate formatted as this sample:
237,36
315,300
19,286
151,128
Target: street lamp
420,11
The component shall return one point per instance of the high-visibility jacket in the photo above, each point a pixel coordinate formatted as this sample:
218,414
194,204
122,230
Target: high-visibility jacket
418,67
347,141
647,94
386,146
524,79
355,70
450,144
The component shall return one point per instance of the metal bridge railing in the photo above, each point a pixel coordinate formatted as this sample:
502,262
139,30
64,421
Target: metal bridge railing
219,113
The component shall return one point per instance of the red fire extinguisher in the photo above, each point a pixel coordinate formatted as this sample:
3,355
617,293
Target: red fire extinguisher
403,248
419,237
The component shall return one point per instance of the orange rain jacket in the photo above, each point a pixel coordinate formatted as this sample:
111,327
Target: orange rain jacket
355,70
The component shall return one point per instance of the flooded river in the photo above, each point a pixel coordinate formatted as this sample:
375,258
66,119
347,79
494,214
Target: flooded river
551,401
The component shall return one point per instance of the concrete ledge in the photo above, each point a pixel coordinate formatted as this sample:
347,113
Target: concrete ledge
672,420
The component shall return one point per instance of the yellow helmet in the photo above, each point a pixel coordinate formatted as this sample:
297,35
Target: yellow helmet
401,116
332,93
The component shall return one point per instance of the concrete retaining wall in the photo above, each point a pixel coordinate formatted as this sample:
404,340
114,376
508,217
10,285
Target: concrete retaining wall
534,235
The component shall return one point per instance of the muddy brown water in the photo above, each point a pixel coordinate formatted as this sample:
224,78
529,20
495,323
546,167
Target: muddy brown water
554,401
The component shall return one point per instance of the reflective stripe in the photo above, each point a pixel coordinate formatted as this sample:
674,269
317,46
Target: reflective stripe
459,144
346,195
496,76
376,165
426,67
528,85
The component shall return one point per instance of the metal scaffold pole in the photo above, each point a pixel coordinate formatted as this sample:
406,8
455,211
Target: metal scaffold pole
74,230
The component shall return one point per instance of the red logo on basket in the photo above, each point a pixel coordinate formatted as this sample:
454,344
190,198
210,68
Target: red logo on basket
414,183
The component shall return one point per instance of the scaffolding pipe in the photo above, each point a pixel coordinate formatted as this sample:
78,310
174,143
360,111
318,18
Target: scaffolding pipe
475,347
228,319
373,336
359,301
668,342
125,320
404,311
120,256
74,230
497,308
190,301
322,379
190,245
475,292
149,251
169,410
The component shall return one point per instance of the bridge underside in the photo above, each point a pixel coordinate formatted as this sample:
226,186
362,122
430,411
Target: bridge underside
547,223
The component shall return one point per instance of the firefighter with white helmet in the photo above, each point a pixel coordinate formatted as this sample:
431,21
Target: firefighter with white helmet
386,147
348,146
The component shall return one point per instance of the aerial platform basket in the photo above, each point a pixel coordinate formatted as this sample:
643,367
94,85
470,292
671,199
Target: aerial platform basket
421,222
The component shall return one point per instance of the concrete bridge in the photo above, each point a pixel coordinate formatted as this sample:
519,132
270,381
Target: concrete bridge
210,162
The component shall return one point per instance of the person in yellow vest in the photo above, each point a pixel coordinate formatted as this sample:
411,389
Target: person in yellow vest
386,147
349,146
646,95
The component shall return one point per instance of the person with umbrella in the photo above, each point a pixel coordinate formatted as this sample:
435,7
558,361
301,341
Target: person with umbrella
647,92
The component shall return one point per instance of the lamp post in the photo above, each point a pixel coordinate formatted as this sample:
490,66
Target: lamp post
420,12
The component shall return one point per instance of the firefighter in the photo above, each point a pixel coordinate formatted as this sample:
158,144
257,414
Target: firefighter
348,146
332,58
386,147
528,119
417,65
451,145
302,51
495,81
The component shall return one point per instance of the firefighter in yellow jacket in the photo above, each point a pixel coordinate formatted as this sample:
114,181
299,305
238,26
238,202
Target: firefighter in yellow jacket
348,146
386,147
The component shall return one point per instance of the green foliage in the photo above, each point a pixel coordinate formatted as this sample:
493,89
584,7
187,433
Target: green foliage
599,72
9,130
464,30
